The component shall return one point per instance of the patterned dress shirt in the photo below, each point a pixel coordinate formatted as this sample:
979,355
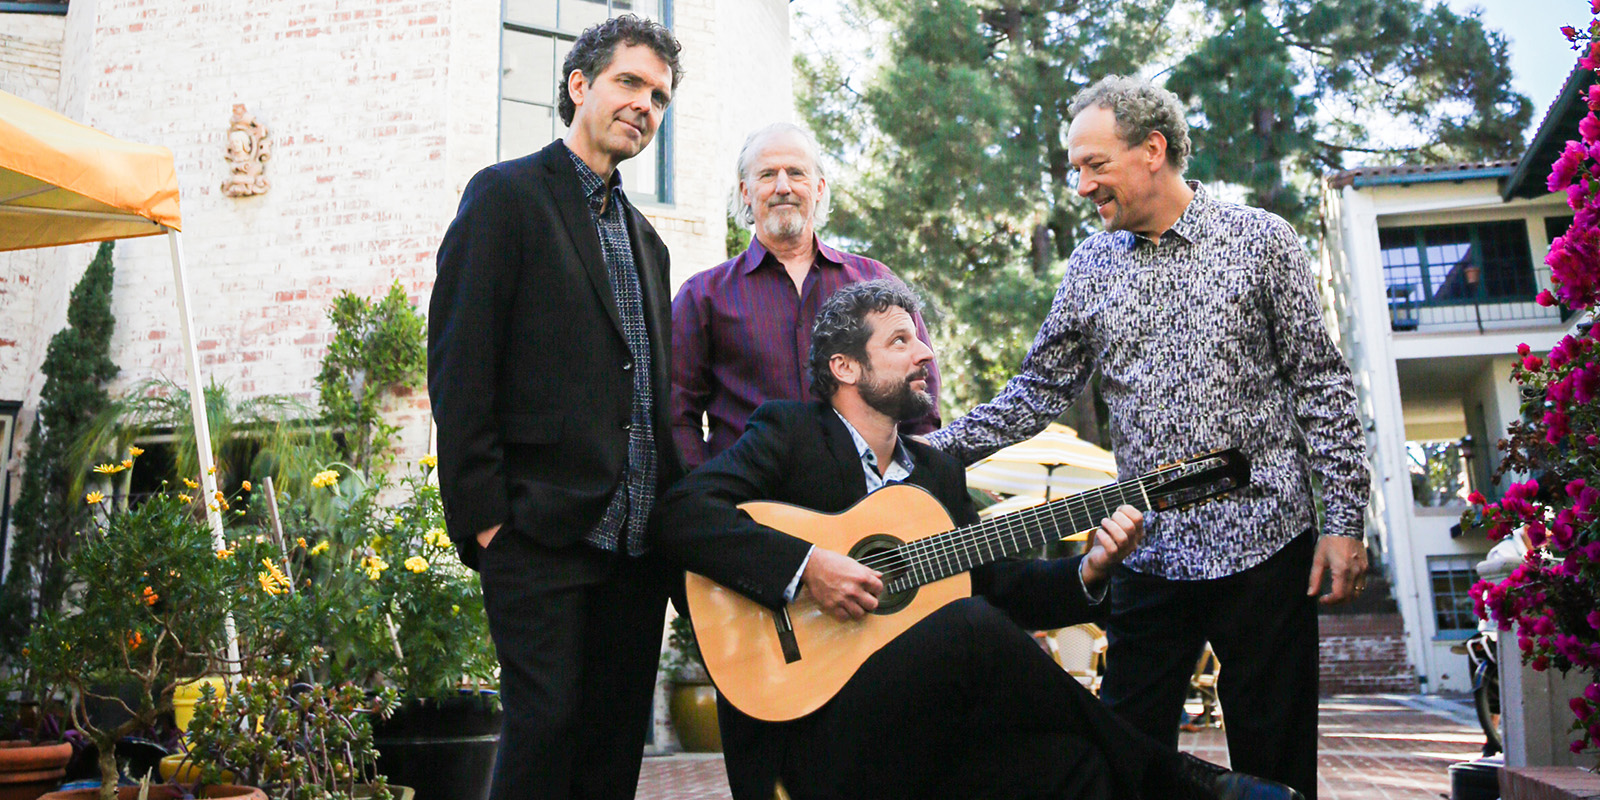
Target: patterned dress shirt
1211,337
629,509
741,335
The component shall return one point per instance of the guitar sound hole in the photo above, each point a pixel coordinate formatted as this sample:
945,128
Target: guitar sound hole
881,552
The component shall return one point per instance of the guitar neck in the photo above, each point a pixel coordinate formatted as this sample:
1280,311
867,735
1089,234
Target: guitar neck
937,557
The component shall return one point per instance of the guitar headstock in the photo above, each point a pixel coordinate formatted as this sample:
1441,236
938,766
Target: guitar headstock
1196,480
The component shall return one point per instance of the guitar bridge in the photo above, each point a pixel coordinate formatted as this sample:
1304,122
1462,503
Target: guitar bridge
791,648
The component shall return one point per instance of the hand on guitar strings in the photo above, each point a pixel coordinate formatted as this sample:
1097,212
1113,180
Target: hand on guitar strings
1110,543
844,588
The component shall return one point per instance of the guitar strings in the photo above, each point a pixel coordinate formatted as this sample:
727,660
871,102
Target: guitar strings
934,554
989,532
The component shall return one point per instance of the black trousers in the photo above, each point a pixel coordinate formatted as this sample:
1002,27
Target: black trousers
1263,628
967,705
578,634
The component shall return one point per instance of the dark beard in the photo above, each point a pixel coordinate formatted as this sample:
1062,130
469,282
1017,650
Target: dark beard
898,401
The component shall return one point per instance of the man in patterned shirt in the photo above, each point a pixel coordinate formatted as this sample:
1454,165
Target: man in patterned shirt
547,369
1203,321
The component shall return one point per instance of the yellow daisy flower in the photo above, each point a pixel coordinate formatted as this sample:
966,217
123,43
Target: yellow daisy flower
135,451
417,564
127,463
224,554
107,469
186,499
430,461
325,478
190,484
320,548
93,498
374,566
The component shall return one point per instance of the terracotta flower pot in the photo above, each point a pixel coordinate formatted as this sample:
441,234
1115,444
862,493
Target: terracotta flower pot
161,792
29,770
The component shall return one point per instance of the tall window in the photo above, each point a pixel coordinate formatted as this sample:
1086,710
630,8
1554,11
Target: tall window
534,40
1453,264
1439,474
1452,578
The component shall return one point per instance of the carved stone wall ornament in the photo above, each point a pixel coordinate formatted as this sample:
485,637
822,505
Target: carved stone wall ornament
248,152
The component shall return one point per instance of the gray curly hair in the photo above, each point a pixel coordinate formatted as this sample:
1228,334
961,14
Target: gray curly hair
1140,108
741,211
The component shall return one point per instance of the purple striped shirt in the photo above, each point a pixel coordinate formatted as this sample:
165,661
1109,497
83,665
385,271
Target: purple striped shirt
741,336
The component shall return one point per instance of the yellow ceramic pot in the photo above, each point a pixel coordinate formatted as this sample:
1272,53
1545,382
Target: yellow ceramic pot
185,695
186,771
694,717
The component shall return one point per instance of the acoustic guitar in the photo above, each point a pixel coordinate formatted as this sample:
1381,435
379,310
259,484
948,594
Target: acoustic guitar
783,665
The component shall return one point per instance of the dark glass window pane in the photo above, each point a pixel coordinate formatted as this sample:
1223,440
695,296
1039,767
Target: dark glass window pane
1507,261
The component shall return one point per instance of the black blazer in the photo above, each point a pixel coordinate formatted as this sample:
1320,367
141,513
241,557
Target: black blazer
529,373
801,453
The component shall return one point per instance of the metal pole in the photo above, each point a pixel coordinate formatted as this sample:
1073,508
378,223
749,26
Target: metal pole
202,428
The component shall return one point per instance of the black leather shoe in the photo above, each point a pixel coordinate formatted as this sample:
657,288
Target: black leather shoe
1224,784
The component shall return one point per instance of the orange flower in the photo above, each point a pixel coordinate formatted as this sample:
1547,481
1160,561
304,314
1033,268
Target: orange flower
135,639
245,485
150,596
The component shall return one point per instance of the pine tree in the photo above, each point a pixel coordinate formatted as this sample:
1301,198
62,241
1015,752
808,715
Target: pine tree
76,367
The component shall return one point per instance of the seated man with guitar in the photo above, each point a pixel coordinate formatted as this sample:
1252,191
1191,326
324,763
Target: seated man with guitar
837,624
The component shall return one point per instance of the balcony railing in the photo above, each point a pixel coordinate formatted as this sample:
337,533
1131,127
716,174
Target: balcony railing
1471,308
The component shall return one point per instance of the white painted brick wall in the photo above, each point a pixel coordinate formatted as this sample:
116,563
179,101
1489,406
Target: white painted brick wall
30,56
380,110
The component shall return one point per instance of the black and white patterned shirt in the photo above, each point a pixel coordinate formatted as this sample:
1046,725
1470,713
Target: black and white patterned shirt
630,506
1211,337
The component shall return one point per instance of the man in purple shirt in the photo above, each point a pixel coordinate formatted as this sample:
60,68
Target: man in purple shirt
741,330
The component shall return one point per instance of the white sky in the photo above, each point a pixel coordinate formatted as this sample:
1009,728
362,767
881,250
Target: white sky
1540,57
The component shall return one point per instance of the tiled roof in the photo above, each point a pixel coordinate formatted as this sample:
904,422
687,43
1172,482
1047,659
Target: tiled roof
1416,173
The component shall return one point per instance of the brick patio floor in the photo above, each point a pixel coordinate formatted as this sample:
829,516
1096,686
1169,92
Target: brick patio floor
1372,747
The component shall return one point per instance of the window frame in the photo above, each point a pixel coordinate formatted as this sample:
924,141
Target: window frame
665,194
1475,239
1452,565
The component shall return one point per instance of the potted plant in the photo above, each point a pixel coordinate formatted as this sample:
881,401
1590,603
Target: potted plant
413,621
150,599
691,699
295,742
33,755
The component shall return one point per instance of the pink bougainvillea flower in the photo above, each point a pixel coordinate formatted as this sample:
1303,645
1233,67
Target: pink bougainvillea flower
1589,129
1577,194
1523,350
1477,498
1592,59
1566,166
1532,363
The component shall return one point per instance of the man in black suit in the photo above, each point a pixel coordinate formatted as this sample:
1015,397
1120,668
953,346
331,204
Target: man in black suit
964,704
548,373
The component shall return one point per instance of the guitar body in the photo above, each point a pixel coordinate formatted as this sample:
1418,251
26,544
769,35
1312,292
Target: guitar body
739,637
774,673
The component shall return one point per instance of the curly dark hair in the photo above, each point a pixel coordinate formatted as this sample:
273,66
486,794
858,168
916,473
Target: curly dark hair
597,46
842,328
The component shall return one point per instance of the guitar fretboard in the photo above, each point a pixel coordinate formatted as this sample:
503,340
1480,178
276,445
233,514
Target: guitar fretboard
953,552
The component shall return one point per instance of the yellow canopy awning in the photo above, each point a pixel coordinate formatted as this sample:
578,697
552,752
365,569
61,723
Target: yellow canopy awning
62,182
1052,464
